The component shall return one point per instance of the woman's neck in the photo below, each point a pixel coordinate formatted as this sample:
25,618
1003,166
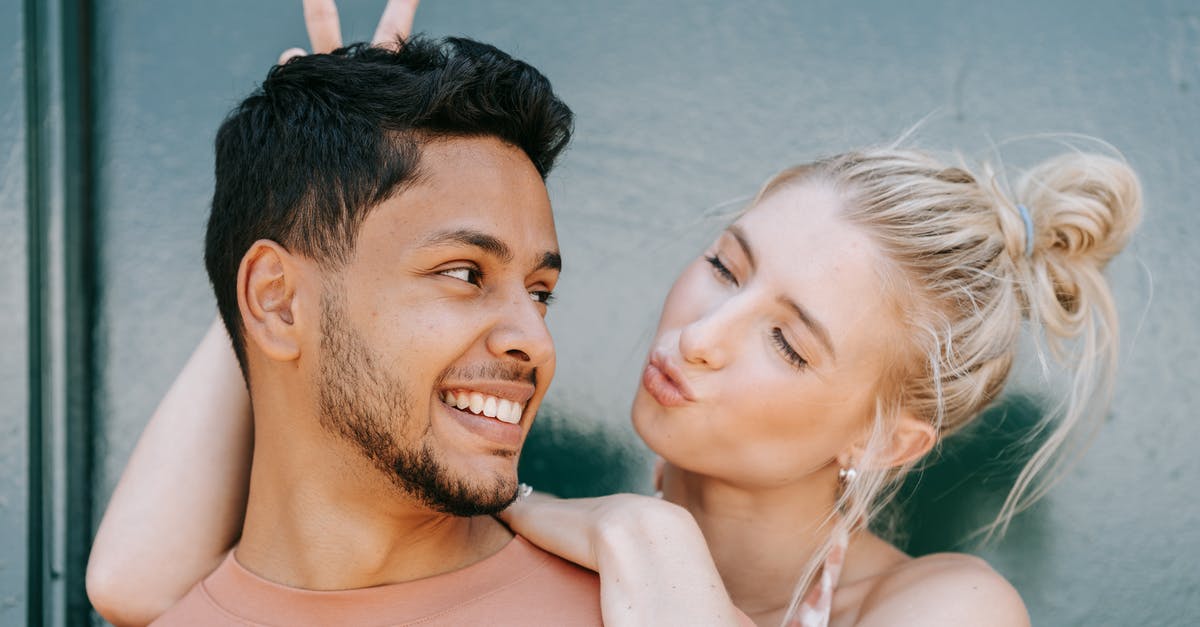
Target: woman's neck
760,538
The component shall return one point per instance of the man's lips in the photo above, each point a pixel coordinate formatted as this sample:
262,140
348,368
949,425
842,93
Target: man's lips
515,391
665,382
492,410
481,404
504,401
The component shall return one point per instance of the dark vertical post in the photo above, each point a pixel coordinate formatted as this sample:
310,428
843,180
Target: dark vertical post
36,200
61,255
79,279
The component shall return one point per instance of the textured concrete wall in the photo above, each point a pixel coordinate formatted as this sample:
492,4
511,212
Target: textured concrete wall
14,379
684,106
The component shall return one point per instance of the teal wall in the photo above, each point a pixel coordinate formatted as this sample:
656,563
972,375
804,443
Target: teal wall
684,107
14,321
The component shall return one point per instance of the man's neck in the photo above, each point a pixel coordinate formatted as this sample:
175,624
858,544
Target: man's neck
760,539
321,518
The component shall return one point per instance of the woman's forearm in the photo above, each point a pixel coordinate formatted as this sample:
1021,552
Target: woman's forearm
179,505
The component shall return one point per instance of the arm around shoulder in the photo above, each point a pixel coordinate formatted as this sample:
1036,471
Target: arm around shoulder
179,505
653,561
945,590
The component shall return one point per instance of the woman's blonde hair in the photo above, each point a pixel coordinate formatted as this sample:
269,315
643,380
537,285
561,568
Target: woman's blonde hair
965,276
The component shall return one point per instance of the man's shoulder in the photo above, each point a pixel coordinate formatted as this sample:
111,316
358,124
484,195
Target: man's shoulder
537,588
550,574
197,608
520,585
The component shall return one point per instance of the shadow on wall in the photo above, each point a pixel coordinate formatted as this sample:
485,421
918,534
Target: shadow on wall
946,506
572,456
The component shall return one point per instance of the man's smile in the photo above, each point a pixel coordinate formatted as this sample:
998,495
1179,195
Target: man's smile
482,404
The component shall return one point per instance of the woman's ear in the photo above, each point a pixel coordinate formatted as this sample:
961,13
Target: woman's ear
267,282
910,440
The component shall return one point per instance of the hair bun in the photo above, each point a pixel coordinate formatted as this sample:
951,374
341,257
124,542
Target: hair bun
1084,208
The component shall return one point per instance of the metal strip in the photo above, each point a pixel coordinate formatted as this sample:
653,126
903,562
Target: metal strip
79,255
61,254
35,256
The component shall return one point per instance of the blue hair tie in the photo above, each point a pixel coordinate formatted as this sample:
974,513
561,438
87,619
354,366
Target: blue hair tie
1028,229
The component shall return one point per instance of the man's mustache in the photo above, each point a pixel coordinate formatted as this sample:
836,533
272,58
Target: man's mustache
494,371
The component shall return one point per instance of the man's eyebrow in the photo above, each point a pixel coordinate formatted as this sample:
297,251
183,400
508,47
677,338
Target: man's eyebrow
807,318
492,245
470,237
550,260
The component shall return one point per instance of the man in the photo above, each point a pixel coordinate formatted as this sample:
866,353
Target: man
382,250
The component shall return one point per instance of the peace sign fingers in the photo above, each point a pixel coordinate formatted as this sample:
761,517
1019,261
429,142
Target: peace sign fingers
324,28
396,22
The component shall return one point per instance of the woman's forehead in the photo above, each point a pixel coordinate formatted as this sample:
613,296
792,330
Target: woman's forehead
806,251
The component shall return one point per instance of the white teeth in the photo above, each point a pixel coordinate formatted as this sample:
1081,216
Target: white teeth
478,403
514,414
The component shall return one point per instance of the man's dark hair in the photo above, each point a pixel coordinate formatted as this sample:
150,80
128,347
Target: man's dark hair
327,137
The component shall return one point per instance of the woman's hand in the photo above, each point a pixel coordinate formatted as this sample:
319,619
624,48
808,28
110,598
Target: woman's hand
325,29
654,565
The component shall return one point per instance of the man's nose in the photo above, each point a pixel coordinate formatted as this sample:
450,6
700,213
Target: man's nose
520,331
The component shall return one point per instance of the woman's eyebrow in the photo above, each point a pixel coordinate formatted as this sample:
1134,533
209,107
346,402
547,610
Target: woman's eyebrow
740,235
812,323
803,314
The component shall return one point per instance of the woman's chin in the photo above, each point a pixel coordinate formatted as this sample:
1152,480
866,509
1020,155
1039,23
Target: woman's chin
652,427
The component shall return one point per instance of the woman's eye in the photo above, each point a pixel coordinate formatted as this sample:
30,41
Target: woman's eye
720,269
468,275
793,358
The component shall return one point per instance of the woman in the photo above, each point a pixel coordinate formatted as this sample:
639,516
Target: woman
864,307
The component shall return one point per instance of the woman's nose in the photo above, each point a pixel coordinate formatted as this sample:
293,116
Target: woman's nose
706,340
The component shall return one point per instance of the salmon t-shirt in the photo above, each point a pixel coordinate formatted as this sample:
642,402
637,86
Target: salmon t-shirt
519,585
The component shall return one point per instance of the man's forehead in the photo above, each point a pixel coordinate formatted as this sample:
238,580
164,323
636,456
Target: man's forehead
443,161
478,183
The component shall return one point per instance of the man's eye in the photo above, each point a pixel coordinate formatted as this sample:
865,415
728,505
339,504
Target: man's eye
469,275
544,297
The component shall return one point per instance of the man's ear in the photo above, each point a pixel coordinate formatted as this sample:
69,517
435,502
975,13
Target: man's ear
910,440
268,278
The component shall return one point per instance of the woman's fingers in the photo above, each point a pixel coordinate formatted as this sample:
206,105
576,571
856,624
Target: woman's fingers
324,29
395,23
291,53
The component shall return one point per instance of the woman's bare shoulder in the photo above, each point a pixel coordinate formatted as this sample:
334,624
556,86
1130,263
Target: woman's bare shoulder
943,589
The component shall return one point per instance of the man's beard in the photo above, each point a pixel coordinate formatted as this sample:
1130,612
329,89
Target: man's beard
362,403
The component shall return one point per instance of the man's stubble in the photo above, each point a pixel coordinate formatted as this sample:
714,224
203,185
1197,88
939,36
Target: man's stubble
362,403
